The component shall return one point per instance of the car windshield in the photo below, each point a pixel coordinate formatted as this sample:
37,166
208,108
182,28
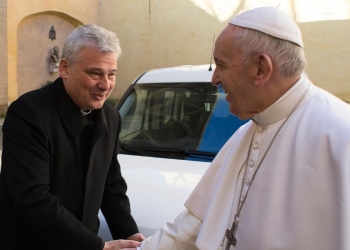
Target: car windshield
176,120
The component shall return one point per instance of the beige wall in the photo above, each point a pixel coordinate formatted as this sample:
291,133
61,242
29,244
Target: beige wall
161,33
3,54
74,12
34,54
158,34
328,55
153,33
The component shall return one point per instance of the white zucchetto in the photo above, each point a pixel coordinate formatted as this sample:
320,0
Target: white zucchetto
271,21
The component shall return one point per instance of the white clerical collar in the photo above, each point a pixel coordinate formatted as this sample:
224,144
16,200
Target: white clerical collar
284,105
85,112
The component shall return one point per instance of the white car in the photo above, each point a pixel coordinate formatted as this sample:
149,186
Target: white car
174,121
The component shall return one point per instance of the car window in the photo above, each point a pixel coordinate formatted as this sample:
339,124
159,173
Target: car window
170,119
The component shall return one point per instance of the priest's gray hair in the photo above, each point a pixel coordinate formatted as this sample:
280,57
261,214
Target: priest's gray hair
288,57
92,36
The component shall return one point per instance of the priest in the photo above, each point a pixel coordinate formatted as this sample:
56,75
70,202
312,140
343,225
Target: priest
282,181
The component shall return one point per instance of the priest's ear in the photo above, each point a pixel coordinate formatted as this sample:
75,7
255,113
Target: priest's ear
63,68
263,69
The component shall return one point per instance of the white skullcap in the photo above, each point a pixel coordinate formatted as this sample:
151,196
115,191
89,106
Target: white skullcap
271,21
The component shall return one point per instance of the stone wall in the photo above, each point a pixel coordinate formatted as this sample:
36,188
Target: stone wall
157,34
33,55
3,53
22,14
163,33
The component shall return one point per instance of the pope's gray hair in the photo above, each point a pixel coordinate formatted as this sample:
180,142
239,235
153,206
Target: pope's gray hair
288,57
92,36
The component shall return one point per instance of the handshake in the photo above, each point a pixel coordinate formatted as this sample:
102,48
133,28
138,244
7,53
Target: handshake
131,243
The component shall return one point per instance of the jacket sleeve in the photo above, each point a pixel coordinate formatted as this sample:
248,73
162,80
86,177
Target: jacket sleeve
26,169
115,203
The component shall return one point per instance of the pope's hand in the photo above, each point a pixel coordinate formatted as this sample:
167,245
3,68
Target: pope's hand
121,245
136,237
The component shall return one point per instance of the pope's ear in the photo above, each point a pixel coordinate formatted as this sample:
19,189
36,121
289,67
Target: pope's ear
63,68
264,69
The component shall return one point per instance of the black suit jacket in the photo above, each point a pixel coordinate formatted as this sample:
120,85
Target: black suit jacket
57,172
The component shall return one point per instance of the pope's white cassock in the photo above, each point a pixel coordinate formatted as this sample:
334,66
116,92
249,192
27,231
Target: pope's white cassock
299,198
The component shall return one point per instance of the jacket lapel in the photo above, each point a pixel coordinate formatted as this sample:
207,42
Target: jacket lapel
68,111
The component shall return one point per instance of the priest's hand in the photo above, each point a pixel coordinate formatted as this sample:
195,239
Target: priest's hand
121,245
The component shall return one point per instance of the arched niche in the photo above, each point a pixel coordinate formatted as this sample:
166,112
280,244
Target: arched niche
34,47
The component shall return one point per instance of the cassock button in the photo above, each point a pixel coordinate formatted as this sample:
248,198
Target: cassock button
260,129
255,146
247,182
251,163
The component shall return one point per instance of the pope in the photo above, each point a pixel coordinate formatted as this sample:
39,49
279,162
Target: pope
282,180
